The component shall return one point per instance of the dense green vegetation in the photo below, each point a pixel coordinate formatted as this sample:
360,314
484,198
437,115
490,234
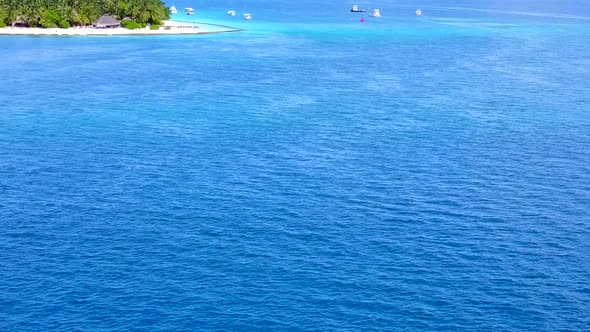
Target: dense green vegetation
132,25
66,13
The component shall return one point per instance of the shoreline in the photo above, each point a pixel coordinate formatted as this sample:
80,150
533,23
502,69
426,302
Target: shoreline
169,28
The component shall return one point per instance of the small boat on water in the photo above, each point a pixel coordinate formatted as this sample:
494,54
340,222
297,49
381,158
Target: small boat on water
356,9
376,13
418,12
231,13
247,17
189,11
173,10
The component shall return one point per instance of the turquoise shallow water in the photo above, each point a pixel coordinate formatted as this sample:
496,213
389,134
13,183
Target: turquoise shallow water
309,173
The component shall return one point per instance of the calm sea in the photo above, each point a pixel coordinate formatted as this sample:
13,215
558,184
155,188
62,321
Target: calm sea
310,173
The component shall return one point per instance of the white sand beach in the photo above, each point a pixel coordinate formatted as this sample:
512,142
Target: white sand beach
169,28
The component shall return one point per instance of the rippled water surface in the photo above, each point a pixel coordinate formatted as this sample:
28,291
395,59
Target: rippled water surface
310,173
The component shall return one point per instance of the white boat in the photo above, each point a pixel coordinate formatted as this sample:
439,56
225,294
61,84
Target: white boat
247,17
173,10
189,11
355,9
376,13
418,12
231,13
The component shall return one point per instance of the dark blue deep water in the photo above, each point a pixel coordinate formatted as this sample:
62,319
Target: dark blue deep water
311,173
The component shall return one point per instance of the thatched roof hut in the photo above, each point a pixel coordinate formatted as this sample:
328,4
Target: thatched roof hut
20,22
106,21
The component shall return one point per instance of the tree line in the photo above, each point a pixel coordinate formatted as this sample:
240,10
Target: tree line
66,13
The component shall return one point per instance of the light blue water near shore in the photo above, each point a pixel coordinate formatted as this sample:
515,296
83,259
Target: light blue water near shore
309,173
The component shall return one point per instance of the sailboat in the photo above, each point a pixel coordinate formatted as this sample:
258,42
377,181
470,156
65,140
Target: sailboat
418,12
245,7
375,13
173,10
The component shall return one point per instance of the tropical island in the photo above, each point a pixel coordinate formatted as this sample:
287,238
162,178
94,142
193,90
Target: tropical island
92,17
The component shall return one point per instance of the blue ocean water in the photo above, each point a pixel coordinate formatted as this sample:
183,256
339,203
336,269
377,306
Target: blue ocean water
308,173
